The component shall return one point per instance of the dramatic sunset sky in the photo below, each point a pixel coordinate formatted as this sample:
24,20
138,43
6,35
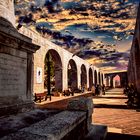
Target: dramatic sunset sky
99,31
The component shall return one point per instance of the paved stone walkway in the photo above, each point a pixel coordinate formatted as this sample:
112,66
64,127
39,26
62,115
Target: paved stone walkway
111,110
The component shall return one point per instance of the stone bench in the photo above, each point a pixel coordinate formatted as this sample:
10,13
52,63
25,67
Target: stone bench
66,125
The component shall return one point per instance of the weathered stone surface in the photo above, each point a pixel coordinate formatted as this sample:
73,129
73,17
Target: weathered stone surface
25,136
53,128
13,123
13,73
83,104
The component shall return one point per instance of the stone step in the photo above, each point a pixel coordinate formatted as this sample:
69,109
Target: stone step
97,132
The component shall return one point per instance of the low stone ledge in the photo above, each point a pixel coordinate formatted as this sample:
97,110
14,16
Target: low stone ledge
83,104
60,126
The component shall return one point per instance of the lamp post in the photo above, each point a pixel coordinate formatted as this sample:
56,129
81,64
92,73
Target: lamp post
48,76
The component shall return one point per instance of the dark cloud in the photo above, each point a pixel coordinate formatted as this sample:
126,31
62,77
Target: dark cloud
88,28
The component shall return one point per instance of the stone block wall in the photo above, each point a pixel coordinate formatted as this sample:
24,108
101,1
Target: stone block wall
134,60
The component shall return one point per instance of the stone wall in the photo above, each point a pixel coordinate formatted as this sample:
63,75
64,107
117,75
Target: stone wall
134,60
13,73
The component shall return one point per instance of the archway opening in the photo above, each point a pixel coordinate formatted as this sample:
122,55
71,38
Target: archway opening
95,77
102,79
53,69
90,79
83,76
99,78
116,81
72,75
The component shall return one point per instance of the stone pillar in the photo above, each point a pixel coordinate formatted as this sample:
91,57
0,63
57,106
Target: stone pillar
87,77
82,104
65,77
79,76
7,10
30,65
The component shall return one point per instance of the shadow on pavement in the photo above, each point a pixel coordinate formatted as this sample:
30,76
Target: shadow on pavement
117,136
96,97
112,106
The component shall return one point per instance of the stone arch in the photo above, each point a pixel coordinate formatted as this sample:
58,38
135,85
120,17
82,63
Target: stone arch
116,81
99,78
102,79
72,75
95,77
90,78
83,76
56,62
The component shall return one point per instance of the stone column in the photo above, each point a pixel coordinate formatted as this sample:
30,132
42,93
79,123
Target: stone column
83,104
87,78
30,75
65,78
79,76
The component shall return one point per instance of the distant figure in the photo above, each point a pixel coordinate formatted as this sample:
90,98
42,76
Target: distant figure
93,90
103,89
97,90
83,89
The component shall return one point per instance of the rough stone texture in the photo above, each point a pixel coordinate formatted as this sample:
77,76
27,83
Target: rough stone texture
134,60
83,104
13,123
56,127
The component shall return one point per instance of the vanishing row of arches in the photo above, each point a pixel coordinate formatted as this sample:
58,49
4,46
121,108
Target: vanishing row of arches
55,72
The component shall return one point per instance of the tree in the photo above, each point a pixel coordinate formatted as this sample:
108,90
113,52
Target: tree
51,63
